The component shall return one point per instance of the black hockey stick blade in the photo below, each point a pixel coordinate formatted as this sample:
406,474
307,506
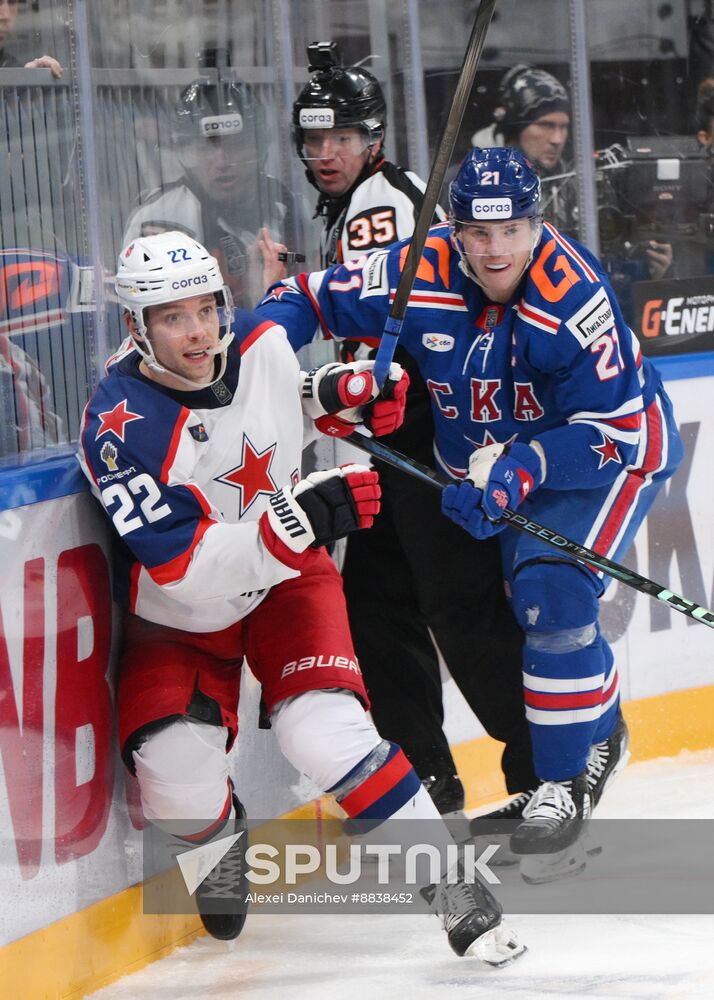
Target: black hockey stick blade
442,159
552,538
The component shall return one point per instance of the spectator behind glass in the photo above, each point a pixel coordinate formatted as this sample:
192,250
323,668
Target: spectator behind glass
8,17
533,114
224,196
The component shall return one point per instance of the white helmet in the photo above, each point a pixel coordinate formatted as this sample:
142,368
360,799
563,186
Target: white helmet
154,270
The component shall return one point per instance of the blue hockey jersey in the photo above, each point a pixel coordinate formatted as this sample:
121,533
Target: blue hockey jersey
557,363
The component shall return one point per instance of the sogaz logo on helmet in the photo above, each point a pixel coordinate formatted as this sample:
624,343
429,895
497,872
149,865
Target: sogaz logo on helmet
491,208
317,118
230,124
199,279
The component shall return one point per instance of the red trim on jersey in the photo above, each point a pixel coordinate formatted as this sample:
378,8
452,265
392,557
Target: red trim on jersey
377,785
444,299
561,240
633,483
538,317
200,496
175,569
653,455
632,422
254,335
174,444
303,282
134,586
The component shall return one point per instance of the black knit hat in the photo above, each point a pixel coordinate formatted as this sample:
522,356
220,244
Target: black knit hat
526,94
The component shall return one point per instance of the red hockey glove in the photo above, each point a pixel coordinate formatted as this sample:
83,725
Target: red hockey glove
338,397
318,510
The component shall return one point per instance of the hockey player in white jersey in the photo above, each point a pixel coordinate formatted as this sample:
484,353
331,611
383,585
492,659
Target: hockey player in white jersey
192,444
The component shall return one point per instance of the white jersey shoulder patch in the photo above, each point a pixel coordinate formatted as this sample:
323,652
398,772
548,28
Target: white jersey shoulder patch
592,319
375,280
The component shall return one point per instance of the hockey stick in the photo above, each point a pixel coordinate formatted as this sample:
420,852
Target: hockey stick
442,159
552,538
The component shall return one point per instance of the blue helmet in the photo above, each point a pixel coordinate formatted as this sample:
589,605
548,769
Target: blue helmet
493,184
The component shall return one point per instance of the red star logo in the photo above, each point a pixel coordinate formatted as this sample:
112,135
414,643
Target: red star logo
114,421
252,477
277,293
488,438
607,451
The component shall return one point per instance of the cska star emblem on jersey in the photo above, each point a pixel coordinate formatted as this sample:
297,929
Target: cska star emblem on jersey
608,451
252,477
114,421
489,439
276,294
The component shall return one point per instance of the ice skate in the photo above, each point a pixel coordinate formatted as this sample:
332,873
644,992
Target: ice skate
538,869
554,818
220,897
447,793
497,826
471,917
607,759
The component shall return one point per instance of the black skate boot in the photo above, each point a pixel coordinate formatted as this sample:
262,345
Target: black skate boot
471,917
497,826
220,897
447,793
607,759
554,818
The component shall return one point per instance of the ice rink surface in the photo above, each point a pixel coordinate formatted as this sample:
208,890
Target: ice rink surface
353,957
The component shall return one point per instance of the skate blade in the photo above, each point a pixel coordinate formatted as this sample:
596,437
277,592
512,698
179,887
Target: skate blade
539,869
504,856
498,947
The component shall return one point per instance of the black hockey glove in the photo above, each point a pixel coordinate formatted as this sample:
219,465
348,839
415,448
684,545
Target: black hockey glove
318,510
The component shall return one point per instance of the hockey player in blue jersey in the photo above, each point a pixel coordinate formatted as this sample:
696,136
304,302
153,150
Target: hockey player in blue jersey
540,397
192,444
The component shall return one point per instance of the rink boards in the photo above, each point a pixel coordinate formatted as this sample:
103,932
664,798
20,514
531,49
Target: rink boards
70,840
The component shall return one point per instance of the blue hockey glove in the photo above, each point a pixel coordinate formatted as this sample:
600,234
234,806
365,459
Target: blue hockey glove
506,474
462,504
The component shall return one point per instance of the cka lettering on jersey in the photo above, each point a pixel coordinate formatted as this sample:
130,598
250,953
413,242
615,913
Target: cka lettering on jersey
485,401
310,662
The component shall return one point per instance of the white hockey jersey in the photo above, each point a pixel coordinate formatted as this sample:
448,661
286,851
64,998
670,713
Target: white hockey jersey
185,476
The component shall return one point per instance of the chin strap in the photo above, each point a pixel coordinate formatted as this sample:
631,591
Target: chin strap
147,353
